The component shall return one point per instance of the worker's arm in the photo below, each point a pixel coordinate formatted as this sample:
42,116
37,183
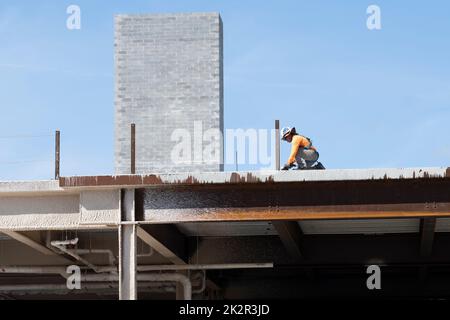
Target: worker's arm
296,144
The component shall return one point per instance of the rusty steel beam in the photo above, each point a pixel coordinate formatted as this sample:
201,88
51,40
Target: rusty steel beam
281,214
297,213
430,193
298,201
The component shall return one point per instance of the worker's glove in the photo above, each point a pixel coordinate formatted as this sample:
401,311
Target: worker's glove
287,166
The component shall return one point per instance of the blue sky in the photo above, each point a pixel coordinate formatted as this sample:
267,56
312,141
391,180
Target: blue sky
366,98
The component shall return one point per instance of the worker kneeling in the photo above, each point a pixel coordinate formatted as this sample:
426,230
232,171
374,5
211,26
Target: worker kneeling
303,154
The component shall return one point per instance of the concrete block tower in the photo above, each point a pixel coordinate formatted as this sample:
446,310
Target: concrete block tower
169,80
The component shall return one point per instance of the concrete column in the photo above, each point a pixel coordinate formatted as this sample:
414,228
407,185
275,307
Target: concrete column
127,248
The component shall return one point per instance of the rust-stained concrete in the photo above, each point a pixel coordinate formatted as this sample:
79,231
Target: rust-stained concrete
252,177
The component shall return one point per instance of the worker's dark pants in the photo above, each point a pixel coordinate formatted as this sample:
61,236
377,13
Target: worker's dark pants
306,158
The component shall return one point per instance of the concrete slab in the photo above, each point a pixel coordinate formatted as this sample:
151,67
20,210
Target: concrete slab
31,187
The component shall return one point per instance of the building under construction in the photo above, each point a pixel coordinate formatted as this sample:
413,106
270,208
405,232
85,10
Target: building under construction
161,231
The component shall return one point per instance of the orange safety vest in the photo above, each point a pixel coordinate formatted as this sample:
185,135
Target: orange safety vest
306,142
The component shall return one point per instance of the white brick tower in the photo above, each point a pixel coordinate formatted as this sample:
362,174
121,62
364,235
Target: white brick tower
169,76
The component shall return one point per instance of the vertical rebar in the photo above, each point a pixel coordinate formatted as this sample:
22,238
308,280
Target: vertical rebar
133,148
277,144
57,153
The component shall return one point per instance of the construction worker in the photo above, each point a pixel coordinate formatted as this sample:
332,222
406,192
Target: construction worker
303,154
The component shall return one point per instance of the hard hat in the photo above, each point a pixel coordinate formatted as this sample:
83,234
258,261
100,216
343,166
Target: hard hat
286,131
